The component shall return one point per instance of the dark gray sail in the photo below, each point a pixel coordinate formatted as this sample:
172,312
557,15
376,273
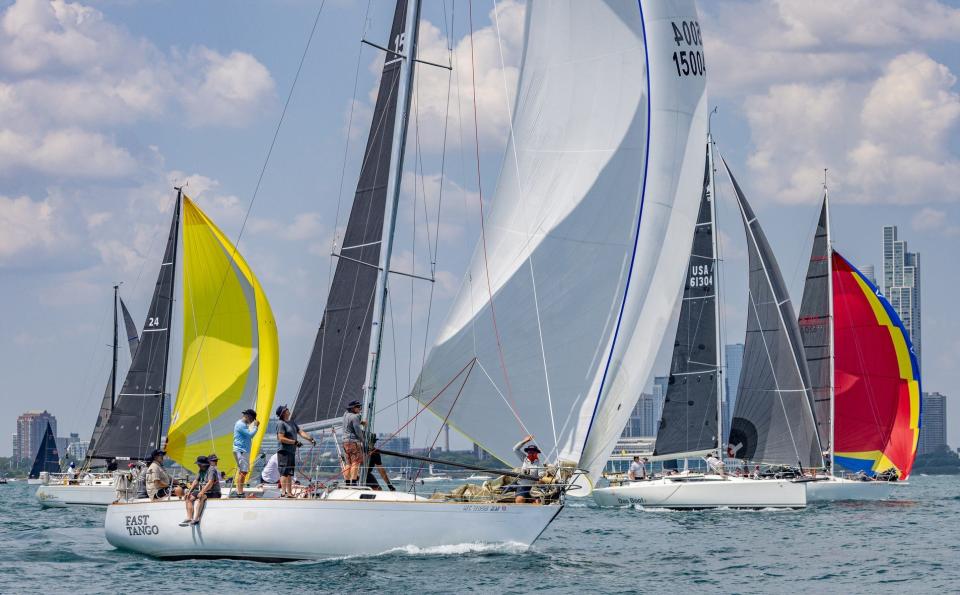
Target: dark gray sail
133,339
48,458
772,419
106,404
133,427
338,363
688,423
815,327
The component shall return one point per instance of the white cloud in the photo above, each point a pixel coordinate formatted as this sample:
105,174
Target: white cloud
65,152
26,225
231,90
929,219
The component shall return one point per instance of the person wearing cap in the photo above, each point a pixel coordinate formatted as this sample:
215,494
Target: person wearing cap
353,442
71,472
243,432
158,480
205,485
529,456
288,434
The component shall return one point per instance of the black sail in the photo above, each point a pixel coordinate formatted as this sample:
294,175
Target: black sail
106,404
772,419
338,363
48,459
133,339
133,427
815,327
688,423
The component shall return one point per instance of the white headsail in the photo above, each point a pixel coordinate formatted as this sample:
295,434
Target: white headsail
559,318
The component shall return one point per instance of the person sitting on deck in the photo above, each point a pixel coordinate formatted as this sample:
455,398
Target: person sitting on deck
243,432
529,456
206,485
377,463
158,480
352,442
271,471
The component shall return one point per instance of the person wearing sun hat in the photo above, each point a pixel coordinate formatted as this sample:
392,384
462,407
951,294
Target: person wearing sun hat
529,455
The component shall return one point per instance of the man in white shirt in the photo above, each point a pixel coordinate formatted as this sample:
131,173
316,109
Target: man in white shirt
530,465
638,470
271,471
715,464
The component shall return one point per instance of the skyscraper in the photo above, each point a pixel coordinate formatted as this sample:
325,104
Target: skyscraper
870,272
734,358
933,424
901,283
645,417
30,428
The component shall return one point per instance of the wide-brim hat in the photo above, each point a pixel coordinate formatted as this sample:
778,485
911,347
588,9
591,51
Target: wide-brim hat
532,448
281,409
157,453
202,460
213,457
353,404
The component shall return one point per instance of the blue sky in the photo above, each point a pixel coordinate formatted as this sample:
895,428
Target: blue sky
104,105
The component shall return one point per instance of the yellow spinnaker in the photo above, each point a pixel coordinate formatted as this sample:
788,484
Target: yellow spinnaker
230,348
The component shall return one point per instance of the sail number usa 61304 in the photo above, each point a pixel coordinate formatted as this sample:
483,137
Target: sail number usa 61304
688,60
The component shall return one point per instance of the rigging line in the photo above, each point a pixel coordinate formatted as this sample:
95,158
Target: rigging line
483,234
256,190
533,281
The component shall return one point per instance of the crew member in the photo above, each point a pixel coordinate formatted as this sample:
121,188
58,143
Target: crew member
377,463
529,456
158,480
271,471
352,442
715,464
638,470
288,433
243,432
206,485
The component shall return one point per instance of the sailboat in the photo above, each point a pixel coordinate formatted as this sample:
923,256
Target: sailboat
89,487
692,417
865,374
578,254
48,458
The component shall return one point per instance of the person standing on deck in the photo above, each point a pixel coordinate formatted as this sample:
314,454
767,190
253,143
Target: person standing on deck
243,432
638,470
353,442
529,456
288,433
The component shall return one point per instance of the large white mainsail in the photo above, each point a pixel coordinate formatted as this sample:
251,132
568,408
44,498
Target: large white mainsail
559,318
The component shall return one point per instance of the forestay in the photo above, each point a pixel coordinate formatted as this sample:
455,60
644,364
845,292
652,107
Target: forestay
230,348
772,419
338,362
689,420
557,322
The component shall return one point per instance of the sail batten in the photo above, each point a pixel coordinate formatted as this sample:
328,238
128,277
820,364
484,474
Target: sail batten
230,347
772,421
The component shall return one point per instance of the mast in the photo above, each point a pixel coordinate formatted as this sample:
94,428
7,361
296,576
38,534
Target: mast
716,290
113,370
831,385
173,279
406,49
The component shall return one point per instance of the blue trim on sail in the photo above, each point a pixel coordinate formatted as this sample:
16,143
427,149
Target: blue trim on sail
636,237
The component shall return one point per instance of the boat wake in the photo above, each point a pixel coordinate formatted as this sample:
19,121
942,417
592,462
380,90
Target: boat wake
460,549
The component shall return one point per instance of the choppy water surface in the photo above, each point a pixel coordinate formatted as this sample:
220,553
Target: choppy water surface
910,544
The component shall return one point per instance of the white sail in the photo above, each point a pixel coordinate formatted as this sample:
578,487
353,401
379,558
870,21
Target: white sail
587,237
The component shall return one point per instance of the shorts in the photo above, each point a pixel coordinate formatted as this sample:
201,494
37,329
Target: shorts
353,452
210,494
522,491
286,461
243,464
161,493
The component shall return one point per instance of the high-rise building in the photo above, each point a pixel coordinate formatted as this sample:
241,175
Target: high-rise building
870,272
16,448
30,429
901,283
77,451
733,354
933,424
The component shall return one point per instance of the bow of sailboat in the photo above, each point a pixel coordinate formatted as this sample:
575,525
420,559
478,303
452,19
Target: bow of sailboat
230,347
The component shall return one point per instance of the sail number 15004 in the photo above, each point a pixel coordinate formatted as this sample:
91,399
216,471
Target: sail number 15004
689,62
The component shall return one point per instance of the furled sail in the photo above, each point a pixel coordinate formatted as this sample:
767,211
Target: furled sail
47,459
556,325
877,400
133,427
772,420
688,424
815,327
230,348
337,366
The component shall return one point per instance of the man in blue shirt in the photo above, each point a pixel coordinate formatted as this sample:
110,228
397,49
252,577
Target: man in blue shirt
243,433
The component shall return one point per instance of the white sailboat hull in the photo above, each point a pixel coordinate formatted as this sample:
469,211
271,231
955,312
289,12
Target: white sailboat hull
839,488
282,529
699,492
54,495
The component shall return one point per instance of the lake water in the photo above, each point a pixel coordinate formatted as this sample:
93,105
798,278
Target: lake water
910,544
